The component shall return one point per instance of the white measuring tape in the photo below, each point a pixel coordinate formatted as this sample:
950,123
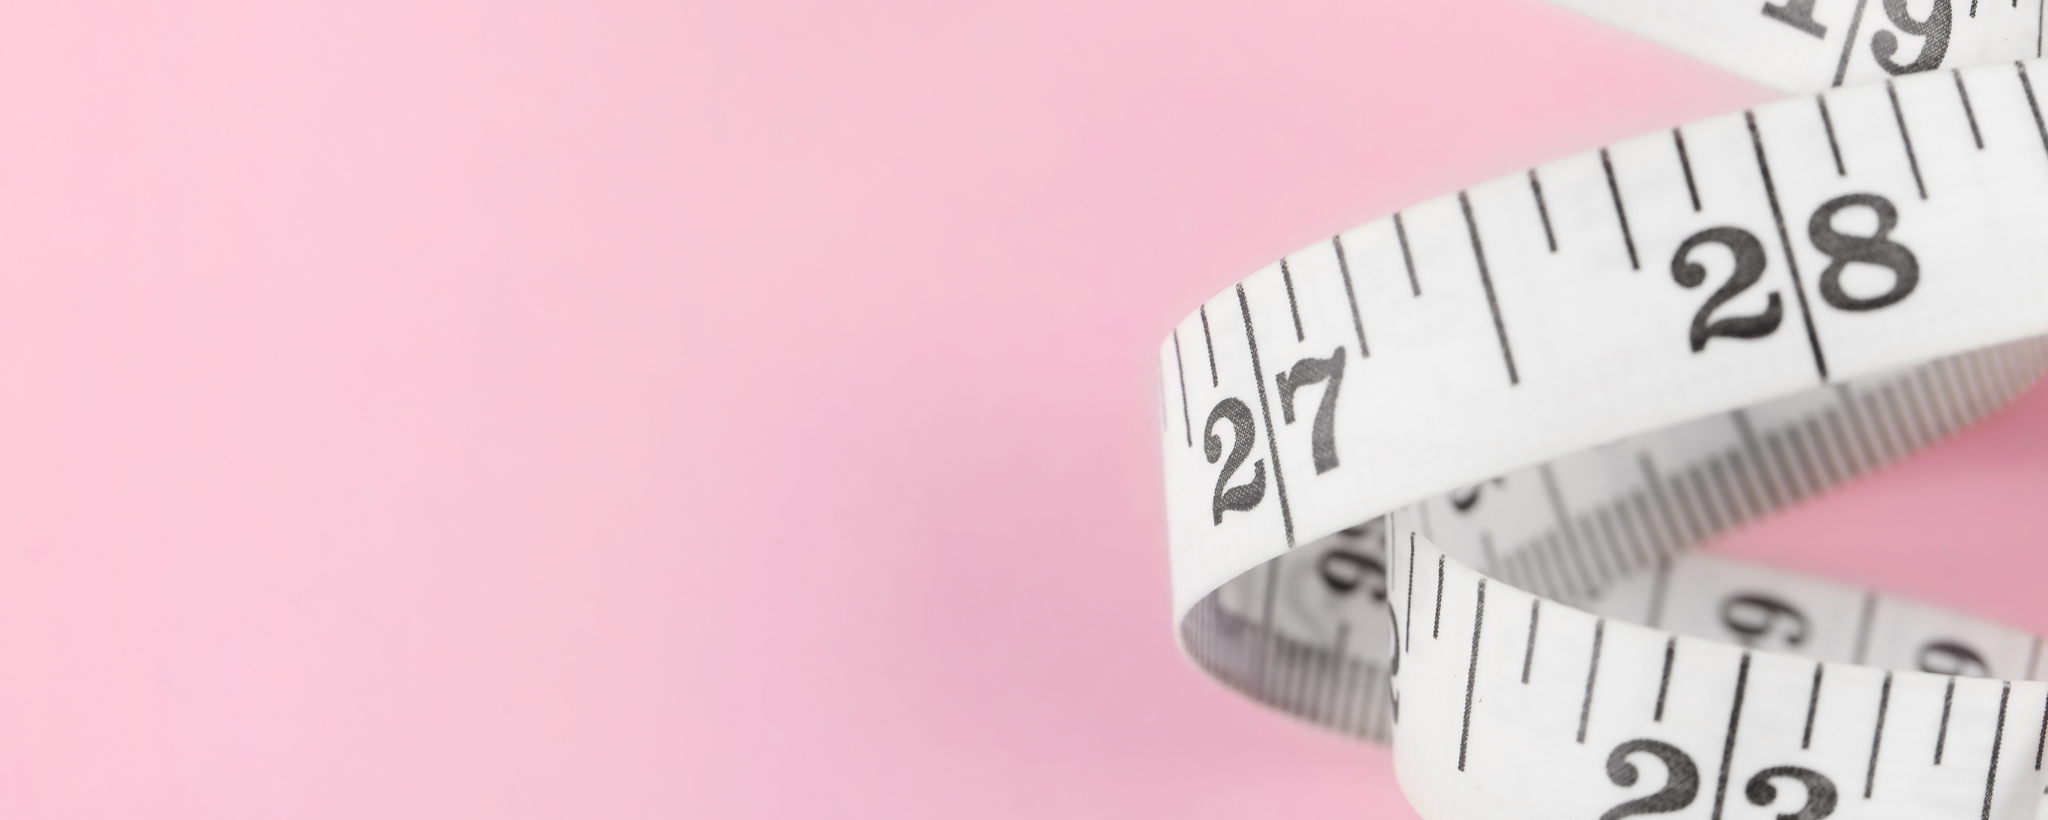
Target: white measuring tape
1436,480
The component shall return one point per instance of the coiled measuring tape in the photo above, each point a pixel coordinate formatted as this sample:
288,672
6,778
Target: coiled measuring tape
1437,480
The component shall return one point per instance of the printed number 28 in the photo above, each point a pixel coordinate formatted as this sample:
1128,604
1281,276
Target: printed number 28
1876,249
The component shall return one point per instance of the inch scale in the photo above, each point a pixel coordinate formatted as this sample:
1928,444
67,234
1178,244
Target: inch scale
1563,381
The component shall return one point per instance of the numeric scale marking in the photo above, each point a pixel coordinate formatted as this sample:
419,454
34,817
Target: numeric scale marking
1642,415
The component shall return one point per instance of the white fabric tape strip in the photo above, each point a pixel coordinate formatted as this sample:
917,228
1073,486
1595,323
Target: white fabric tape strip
1437,480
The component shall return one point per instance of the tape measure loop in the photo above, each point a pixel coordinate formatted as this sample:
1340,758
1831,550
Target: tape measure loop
1535,444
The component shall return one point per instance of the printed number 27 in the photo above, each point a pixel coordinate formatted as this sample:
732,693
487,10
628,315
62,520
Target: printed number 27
1244,429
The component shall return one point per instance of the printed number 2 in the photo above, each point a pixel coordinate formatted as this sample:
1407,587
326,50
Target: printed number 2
1323,434
1749,267
1681,779
1243,429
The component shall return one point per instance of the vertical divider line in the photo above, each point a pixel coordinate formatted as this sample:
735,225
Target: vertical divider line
1969,113
1664,681
1293,309
1912,159
1472,673
1437,623
1728,745
1251,338
1542,210
1350,295
1209,342
1827,125
1500,329
2042,744
1763,165
1187,420
1592,674
1529,655
1849,45
1884,699
1407,258
1408,642
2033,104
1997,741
1685,164
1812,707
1948,701
1628,238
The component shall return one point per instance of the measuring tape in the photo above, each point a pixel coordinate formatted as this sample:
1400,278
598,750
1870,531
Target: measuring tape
1437,480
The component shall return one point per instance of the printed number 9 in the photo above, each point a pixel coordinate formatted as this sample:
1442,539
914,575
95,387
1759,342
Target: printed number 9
1884,45
1952,658
1752,616
1344,571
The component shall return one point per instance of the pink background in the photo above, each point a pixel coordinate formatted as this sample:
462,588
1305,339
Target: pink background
508,409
